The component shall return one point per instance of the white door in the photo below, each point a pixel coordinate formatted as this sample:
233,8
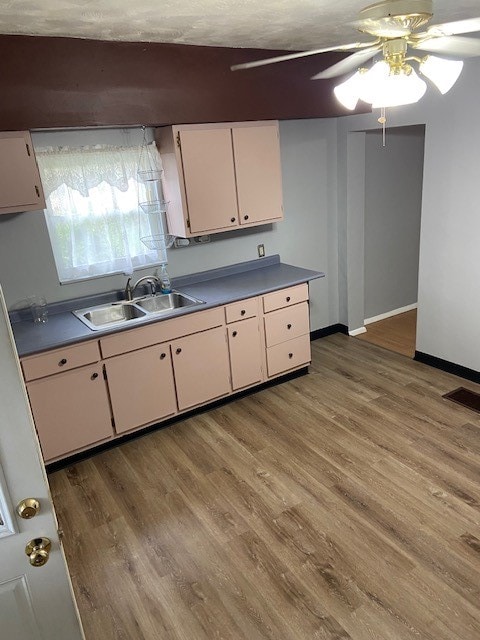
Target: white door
36,602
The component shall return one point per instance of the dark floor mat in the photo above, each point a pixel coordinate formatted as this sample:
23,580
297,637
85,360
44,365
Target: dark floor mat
465,397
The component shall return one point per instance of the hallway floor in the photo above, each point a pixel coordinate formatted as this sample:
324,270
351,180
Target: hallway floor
397,333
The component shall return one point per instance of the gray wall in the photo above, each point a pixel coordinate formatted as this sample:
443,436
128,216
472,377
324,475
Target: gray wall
448,301
393,204
307,237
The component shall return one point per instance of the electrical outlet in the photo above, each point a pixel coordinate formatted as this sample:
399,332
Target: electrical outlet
261,250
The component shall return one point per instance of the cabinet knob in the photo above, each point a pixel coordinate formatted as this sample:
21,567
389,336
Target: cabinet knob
232,219
290,355
162,356
94,376
234,333
243,312
245,217
288,298
62,362
178,350
289,326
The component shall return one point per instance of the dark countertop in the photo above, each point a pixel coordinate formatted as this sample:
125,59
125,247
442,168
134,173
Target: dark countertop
216,287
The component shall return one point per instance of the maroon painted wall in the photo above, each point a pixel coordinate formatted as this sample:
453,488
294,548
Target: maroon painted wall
67,82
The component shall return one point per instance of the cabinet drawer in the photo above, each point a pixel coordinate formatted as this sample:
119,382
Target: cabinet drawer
287,324
285,298
241,310
288,355
45,364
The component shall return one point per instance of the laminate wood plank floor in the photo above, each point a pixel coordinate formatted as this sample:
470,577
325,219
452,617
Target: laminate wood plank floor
344,504
397,333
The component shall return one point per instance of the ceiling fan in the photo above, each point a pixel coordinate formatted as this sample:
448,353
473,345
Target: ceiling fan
392,81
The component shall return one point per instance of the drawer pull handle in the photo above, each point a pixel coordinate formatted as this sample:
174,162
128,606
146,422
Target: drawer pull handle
94,376
245,217
289,326
232,219
178,350
162,356
243,312
62,362
288,298
234,334
290,355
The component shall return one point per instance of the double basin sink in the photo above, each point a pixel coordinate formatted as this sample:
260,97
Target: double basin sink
127,312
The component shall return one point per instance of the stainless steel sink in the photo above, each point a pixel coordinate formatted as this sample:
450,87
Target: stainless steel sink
166,302
109,315
121,313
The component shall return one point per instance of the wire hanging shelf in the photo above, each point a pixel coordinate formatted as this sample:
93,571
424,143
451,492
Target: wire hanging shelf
158,242
149,169
153,207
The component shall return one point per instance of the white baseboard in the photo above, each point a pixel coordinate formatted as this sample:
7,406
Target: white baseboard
389,314
357,332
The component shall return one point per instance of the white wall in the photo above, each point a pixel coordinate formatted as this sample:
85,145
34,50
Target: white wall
307,237
448,300
393,204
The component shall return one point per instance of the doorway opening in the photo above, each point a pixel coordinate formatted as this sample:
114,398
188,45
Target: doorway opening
393,203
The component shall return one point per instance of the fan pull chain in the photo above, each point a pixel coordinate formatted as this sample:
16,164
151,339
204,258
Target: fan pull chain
383,120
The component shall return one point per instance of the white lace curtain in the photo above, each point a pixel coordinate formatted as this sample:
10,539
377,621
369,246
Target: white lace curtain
92,210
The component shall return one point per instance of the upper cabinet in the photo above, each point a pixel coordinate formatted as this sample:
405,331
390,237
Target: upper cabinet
20,186
220,177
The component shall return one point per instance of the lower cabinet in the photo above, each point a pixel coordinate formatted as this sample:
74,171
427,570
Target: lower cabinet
71,410
162,369
245,353
201,367
142,388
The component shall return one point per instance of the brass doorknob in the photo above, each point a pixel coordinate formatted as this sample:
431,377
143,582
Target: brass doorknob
28,508
38,551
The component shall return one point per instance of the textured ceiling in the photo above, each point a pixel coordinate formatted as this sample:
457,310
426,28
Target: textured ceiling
268,24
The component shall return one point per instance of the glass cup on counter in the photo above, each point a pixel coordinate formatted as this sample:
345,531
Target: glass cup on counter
38,307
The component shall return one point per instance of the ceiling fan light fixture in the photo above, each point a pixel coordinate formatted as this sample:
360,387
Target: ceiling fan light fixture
403,87
348,92
443,73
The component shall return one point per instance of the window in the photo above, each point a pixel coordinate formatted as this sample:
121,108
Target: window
92,211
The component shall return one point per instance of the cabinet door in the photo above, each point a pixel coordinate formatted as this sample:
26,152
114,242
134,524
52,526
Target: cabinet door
201,367
209,178
20,186
245,354
71,410
259,175
141,387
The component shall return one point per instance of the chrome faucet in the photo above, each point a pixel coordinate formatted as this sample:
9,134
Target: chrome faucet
151,280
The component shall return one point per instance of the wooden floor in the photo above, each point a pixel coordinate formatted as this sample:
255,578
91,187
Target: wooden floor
341,505
397,333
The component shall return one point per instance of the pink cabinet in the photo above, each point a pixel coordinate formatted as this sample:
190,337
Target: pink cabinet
71,410
258,173
209,176
141,386
218,177
245,348
201,367
20,185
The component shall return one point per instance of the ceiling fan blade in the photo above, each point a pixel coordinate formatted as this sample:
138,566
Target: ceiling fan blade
301,54
453,28
451,45
348,64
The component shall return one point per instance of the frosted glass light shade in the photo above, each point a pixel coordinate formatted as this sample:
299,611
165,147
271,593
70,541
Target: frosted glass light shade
399,89
443,73
348,92
382,88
